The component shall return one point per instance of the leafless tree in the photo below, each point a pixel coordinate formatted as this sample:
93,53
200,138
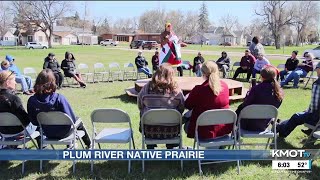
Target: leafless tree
42,13
5,17
190,24
152,21
228,21
306,15
276,15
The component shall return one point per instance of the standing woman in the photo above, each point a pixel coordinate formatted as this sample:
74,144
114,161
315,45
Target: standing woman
212,94
69,68
50,62
256,47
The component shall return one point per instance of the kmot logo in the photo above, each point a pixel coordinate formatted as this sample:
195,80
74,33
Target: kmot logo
290,153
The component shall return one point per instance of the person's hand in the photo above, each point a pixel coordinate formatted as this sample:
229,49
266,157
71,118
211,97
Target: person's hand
167,36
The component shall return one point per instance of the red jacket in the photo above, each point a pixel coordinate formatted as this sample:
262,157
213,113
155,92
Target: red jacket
201,99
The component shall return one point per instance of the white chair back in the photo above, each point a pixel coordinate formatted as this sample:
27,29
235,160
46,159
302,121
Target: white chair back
217,116
98,66
9,119
29,70
114,65
128,65
110,116
258,112
54,118
83,66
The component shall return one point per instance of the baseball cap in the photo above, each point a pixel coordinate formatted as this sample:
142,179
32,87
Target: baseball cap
9,58
51,54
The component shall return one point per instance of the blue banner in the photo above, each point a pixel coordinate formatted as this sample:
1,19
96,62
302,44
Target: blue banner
134,155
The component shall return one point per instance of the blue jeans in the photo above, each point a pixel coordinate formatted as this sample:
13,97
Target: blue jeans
25,82
295,76
286,127
283,73
145,70
254,72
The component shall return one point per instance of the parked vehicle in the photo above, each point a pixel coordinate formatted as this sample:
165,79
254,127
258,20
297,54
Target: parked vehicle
136,44
225,44
149,45
35,45
110,42
315,52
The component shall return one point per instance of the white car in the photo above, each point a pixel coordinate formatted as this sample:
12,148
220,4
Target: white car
35,45
315,52
110,42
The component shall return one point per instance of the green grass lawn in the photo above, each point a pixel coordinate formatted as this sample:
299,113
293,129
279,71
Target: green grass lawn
112,95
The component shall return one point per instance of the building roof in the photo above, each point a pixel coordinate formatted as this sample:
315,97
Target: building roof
229,33
70,29
61,34
238,33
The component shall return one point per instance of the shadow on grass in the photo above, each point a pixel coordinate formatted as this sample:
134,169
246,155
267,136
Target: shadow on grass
124,98
30,167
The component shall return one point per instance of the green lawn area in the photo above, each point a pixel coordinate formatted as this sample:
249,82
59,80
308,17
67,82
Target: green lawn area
112,95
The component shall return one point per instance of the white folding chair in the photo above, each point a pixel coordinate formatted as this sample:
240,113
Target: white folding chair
56,118
84,70
129,70
281,66
256,112
111,135
114,70
215,117
30,71
314,128
313,74
8,119
161,117
99,70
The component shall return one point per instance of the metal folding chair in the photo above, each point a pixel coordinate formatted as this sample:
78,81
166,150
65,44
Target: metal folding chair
111,135
313,74
30,71
56,118
84,70
8,119
215,117
129,69
115,71
99,70
162,117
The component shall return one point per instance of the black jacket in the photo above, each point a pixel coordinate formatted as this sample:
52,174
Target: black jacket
11,103
51,64
141,62
197,60
223,61
291,64
68,66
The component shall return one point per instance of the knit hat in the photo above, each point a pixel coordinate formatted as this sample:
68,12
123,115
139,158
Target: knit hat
9,58
51,54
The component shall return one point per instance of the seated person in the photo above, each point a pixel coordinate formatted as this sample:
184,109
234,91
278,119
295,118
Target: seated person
46,99
9,102
258,65
155,94
197,63
246,65
310,116
69,68
142,65
50,62
212,94
155,61
25,81
4,65
267,93
224,64
291,64
300,72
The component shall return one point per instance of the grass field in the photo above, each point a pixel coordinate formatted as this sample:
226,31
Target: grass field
112,95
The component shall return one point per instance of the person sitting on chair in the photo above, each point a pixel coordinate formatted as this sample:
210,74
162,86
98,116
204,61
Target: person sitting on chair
25,81
211,94
246,65
11,103
309,116
50,62
197,63
300,72
268,92
260,63
224,64
45,100
291,64
155,61
69,68
157,91
142,65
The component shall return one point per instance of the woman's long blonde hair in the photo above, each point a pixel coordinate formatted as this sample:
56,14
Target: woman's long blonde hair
163,80
210,70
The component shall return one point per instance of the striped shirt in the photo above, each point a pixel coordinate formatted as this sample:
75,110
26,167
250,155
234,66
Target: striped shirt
315,97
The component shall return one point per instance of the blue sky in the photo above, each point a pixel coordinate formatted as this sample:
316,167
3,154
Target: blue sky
244,10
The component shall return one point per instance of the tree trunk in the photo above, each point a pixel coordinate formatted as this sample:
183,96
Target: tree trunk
277,41
298,39
48,36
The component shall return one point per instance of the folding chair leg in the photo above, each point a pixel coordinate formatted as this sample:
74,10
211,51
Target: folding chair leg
200,170
181,162
143,147
129,162
92,148
268,143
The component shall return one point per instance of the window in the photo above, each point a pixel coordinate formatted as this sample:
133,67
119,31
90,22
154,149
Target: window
56,39
6,38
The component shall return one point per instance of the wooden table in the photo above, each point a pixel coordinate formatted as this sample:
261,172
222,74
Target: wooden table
236,90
